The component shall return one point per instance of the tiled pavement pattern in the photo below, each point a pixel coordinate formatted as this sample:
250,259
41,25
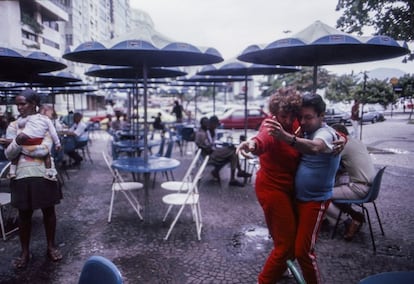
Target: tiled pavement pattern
234,241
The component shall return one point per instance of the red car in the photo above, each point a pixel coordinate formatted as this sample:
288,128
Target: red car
234,118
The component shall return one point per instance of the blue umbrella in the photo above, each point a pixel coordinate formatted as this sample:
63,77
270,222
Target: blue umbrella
320,44
142,54
17,67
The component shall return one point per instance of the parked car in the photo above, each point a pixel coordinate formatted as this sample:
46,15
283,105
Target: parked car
234,118
335,115
371,114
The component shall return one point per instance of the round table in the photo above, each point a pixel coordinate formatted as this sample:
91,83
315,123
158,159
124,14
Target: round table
138,165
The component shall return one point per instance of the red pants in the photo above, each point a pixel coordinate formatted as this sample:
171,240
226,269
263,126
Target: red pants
278,208
310,217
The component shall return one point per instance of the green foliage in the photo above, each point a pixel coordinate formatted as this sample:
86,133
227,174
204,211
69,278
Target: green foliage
376,91
342,88
31,22
302,80
394,18
407,84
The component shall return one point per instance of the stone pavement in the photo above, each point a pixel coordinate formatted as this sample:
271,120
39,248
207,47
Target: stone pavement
234,241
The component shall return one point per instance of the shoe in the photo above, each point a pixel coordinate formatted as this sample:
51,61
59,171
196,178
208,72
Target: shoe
21,262
353,228
243,174
54,255
236,183
215,174
359,217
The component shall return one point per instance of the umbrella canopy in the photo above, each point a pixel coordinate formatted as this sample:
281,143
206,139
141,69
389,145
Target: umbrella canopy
60,79
320,44
132,73
143,54
237,68
139,53
17,67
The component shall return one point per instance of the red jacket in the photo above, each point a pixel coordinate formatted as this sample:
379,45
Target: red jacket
278,161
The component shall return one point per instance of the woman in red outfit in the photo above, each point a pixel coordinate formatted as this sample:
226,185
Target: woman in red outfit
275,182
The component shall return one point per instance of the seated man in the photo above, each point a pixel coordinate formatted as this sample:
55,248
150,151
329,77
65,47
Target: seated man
353,180
219,157
80,132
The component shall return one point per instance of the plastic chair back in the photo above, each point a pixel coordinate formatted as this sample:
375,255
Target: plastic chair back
100,270
188,134
372,193
375,187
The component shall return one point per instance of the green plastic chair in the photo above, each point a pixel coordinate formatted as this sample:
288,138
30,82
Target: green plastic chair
296,273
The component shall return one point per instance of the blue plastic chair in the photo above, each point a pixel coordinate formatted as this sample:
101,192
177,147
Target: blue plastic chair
400,277
369,198
100,270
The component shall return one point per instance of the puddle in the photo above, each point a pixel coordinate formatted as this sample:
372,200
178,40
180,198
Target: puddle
249,240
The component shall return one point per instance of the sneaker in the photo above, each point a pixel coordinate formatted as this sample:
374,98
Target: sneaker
243,174
215,174
353,228
236,183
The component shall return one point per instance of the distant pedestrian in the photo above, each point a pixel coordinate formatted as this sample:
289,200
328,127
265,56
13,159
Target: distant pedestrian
178,111
355,118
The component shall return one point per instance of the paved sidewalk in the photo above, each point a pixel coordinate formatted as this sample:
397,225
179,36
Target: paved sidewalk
234,241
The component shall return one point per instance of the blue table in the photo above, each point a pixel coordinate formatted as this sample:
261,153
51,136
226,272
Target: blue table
135,144
132,146
138,165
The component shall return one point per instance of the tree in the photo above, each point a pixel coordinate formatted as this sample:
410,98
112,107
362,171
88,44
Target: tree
394,18
342,88
376,91
302,80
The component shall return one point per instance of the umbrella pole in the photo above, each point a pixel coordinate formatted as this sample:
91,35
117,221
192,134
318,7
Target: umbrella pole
245,119
214,98
315,78
144,71
146,174
245,107
195,105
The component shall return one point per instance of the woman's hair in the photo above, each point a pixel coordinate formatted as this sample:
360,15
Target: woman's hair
31,96
285,99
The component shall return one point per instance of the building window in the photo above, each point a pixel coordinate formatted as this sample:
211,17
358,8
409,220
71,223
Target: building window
69,39
50,43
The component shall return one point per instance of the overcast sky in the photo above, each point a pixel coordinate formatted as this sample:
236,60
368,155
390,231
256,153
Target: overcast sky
232,25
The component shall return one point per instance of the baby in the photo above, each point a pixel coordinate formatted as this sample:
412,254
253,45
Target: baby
35,128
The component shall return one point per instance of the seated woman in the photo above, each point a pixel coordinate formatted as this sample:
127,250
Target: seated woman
219,157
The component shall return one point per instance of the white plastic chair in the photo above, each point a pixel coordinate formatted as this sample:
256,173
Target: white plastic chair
127,189
191,198
185,183
5,199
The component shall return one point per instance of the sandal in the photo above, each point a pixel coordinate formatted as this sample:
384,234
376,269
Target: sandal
21,262
54,254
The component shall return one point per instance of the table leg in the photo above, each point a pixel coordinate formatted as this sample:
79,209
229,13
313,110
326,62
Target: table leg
147,215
